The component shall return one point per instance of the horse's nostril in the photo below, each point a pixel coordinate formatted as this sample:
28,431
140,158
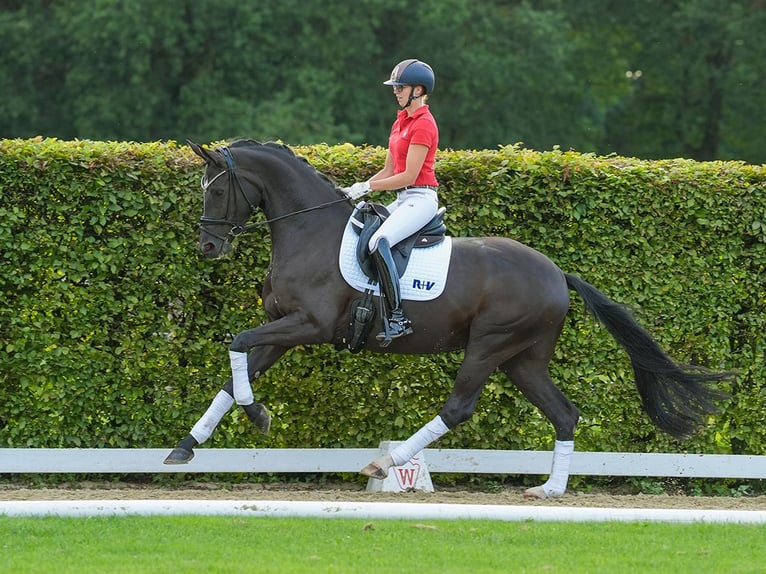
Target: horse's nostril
206,247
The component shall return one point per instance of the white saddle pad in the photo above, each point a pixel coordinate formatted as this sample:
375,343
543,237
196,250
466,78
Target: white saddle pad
424,279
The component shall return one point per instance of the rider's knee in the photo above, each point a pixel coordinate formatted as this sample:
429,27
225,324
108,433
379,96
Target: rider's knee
373,244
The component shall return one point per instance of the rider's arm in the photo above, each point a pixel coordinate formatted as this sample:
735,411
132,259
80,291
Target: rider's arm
388,168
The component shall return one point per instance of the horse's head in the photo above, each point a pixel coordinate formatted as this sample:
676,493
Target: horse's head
227,204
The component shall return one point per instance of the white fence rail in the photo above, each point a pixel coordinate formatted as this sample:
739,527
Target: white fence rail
285,461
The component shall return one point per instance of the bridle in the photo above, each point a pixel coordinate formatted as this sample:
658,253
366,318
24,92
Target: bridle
237,229
234,183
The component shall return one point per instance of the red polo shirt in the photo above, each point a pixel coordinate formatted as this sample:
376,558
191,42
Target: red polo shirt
419,128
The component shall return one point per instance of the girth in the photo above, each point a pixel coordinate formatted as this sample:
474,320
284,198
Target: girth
371,216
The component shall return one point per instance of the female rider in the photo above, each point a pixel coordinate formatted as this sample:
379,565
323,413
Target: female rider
409,169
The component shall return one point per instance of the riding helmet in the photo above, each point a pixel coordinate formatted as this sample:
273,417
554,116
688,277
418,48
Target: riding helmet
412,73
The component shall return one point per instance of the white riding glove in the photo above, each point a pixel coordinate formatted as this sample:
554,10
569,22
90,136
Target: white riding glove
357,190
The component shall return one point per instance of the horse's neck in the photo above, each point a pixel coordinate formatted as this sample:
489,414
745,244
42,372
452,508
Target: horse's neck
292,200
305,227
305,246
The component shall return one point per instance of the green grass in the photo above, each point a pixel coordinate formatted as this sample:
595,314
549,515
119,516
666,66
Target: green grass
182,544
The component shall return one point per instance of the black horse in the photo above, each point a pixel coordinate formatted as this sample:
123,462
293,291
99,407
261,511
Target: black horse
503,303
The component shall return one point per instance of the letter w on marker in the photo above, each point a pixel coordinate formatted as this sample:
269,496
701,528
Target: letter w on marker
407,476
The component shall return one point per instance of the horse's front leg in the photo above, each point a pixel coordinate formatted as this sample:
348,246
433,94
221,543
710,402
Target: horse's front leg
258,362
287,332
270,342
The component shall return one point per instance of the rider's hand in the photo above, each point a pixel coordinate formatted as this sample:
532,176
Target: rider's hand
357,190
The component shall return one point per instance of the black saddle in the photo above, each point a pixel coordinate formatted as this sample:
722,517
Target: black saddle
371,216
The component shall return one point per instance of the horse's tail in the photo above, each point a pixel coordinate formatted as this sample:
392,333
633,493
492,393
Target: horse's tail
676,397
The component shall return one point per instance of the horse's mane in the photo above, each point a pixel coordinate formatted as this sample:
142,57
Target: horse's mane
251,143
255,143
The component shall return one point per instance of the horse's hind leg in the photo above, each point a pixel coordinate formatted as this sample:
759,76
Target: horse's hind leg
222,402
530,374
469,384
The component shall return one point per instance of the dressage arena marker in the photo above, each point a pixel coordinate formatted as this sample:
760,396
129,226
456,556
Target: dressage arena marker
412,475
370,510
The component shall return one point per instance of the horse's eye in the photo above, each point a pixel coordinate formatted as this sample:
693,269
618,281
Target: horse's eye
206,183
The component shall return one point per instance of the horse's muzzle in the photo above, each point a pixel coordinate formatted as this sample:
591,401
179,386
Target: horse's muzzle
213,244
213,248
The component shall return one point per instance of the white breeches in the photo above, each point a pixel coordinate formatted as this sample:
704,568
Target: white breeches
412,209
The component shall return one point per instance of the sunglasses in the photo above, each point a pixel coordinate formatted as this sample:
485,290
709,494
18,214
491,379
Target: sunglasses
399,89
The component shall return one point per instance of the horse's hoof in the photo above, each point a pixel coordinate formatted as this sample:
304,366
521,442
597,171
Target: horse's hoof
541,493
374,470
259,416
535,492
179,456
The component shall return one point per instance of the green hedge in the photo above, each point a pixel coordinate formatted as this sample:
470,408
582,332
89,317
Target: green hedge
115,331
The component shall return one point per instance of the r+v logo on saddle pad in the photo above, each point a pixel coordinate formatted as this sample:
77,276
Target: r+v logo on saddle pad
423,284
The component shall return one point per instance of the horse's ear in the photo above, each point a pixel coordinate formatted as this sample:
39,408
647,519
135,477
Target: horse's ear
206,154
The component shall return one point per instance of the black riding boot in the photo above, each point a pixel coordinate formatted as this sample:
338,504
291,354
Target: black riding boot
397,324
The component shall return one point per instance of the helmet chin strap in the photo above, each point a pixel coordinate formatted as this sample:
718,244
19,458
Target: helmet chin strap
412,97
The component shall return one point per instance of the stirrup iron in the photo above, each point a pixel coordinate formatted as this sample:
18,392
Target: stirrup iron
395,326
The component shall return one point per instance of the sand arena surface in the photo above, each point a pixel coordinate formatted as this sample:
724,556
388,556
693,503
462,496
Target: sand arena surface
92,490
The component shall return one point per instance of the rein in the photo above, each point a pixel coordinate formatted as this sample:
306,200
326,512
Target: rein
257,224
238,229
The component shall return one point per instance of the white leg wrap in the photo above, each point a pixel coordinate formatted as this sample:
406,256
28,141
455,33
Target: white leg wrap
556,484
243,392
213,415
431,431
